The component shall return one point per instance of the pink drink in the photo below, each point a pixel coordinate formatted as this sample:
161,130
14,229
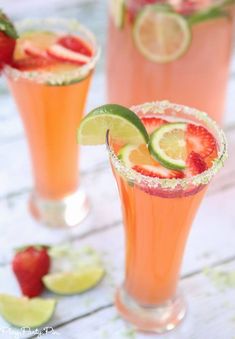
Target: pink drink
197,78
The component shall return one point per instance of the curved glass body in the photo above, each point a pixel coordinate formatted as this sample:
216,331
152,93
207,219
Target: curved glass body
51,106
193,79
157,216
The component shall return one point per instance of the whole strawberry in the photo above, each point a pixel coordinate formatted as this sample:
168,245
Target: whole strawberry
8,36
30,265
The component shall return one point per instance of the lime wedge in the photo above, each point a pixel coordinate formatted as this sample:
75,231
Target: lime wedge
25,312
117,8
123,124
168,145
67,283
160,35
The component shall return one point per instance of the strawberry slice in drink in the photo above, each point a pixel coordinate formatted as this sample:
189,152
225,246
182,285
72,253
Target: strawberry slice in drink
200,140
70,49
75,44
34,51
158,171
32,63
63,54
151,123
195,164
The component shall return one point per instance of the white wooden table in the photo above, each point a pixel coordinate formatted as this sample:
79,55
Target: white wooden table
211,311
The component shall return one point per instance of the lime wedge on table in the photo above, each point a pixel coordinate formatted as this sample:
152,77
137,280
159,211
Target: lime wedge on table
67,283
168,145
123,124
117,8
161,35
25,312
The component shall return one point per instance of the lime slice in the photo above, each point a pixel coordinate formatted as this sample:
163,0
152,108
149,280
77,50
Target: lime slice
136,155
168,145
25,312
160,35
123,124
117,8
67,283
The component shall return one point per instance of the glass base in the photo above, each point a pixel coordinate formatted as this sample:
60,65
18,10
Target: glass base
66,212
158,319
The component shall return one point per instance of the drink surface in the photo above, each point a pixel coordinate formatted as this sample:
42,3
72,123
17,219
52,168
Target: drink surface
189,66
193,145
47,51
51,111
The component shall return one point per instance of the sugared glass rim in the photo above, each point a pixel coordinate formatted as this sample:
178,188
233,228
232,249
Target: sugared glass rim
159,107
53,78
204,7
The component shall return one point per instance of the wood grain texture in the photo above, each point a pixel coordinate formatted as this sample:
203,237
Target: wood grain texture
211,315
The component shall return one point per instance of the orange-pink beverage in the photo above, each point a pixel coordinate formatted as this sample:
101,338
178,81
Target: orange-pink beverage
49,80
159,205
198,73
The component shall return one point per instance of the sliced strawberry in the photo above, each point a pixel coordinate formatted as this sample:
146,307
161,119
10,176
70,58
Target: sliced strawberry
195,164
63,54
200,140
32,63
187,7
151,123
34,51
158,172
75,44
138,4
134,6
161,173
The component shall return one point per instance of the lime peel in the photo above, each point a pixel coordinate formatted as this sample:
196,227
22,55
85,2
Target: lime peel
123,124
117,8
168,146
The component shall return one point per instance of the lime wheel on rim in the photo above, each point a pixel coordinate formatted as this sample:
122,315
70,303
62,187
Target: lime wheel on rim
168,145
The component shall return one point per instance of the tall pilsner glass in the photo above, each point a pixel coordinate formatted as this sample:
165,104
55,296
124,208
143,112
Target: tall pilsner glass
157,216
51,105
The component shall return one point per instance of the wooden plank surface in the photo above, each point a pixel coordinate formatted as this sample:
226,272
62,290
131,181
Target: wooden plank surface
210,316
92,315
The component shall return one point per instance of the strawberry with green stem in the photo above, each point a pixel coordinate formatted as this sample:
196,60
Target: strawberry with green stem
30,265
8,36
